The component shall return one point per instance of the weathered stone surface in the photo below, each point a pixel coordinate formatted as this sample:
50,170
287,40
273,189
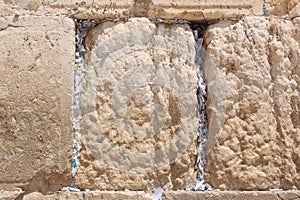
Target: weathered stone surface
231,195
40,196
87,9
283,7
139,109
90,195
253,76
253,86
167,9
36,73
203,10
117,195
5,195
167,195
294,10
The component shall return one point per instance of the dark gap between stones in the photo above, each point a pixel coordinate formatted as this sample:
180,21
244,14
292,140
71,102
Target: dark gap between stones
199,29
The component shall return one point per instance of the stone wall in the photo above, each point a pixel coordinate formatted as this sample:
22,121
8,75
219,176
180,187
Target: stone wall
139,123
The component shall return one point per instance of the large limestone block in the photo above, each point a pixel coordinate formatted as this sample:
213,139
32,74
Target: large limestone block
90,195
103,195
253,73
203,9
36,73
231,195
139,108
167,9
83,9
166,195
40,196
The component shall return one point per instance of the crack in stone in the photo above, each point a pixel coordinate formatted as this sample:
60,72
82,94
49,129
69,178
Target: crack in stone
278,195
10,26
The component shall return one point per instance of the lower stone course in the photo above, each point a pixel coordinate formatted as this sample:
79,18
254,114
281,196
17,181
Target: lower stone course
168,195
233,195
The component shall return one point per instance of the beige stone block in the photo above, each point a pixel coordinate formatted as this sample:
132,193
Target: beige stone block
40,196
36,73
139,108
87,195
231,195
167,9
118,195
99,9
276,7
252,68
167,195
83,9
5,195
203,9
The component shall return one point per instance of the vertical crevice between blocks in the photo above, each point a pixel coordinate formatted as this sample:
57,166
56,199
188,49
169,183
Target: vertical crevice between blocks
82,27
202,137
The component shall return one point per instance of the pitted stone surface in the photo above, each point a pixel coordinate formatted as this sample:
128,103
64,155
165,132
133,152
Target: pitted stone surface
167,195
166,9
139,108
283,7
87,9
253,76
231,195
36,72
9,195
203,10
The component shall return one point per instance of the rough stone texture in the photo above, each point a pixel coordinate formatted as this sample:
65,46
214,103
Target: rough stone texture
167,9
117,195
283,7
253,85
167,195
253,73
36,73
40,196
82,9
232,195
6,195
203,9
139,109
294,10
91,195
